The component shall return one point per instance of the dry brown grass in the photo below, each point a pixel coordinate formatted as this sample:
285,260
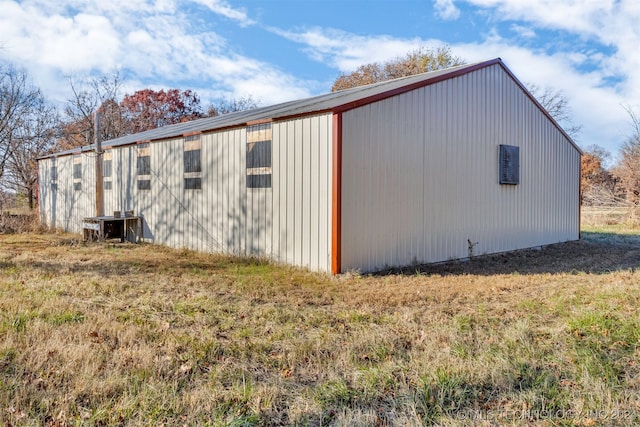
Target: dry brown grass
624,217
22,221
144,335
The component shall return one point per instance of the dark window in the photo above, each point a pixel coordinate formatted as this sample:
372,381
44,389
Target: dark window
54,186
192,161
259,154
106,168
77,174
259,181
107,185
258,159
144,165
193,183
54,173
509,164
144,184
191,157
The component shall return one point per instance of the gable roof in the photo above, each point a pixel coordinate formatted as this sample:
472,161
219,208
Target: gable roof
334,102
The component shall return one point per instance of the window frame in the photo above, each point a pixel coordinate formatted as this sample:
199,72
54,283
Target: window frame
192,162
143,175
107,171
77,172
259,156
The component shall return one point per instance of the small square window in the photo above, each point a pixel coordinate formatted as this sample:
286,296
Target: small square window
259,181
144,184
193,183
77,186
107,185
259,154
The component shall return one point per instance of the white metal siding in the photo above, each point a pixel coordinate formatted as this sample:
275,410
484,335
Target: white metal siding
290,222
420,175
60,205
301,181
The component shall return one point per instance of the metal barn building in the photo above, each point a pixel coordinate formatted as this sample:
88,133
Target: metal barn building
438,166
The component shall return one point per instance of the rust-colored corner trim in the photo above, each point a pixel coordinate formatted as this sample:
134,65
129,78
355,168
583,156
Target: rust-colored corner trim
580,199
37,206
336,205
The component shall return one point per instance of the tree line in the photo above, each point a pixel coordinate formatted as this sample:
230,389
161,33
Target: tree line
31,127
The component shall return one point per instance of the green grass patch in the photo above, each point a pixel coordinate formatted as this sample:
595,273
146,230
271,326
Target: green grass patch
604,343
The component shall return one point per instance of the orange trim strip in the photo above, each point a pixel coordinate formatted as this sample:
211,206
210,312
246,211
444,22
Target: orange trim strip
198,132
336,205
259,121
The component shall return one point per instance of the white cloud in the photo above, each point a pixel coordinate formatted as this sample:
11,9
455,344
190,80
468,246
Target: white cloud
613,24
347,51
152,42
523,31
223,8
445,9
65,43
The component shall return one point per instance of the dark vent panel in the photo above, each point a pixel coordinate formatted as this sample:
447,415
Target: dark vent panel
509,164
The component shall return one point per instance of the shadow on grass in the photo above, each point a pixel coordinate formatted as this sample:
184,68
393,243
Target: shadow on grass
595,253
598,252
120,259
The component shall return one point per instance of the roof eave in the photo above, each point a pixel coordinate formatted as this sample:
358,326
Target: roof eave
413,86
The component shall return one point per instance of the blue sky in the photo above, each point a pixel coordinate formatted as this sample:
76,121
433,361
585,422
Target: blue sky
280,50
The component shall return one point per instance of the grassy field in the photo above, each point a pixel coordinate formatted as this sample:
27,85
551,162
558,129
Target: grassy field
119,334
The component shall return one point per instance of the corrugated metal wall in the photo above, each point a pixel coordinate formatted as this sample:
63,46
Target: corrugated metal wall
290,222
62,205
301,228
420,175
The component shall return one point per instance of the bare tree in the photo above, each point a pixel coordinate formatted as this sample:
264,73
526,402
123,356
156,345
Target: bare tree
17,99
598,186
88,96
35,137
225,106
418,61
628,167
557,104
